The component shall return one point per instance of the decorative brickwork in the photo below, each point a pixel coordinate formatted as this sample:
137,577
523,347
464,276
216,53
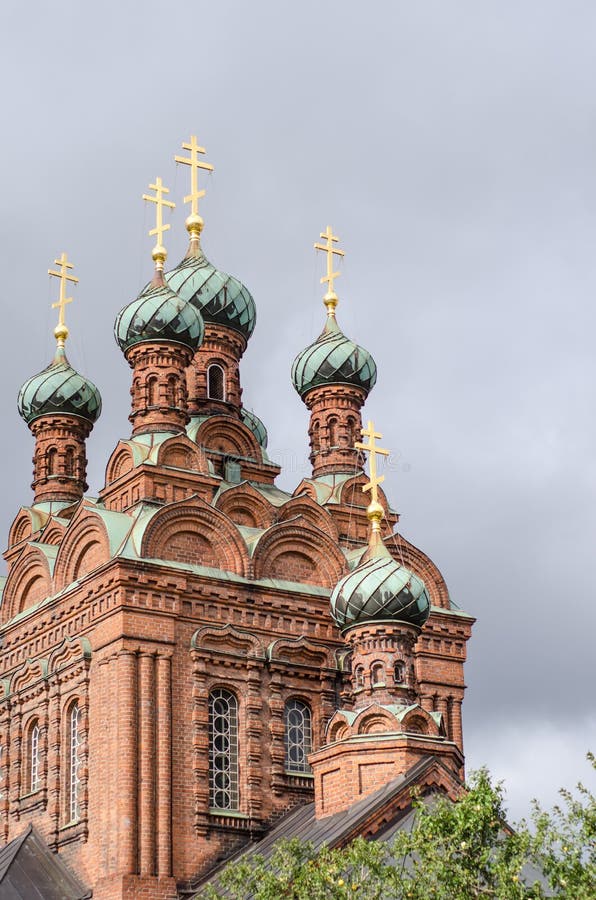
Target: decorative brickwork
159,394
60,459
335,426
210,393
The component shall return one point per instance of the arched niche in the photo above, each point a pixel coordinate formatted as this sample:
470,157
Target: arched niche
245,506
293,551
228,436
120,463
351,493
85,547
180,452
195,533
28,583
310,511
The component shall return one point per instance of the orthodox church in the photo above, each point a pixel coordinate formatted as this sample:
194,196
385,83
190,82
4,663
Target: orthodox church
196,661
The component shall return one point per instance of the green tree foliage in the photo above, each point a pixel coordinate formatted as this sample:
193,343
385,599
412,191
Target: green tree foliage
454,851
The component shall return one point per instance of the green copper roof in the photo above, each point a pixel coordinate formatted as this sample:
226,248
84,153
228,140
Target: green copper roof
333,359
380,588
59,389
158,314
221,298
256,426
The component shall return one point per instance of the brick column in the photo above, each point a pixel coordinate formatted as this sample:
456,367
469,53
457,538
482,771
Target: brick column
335,425
54,775
4,769
60,457
127,762
146,750
159,393
254,731
164,766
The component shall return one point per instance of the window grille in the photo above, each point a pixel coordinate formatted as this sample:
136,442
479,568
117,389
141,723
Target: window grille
297,736
73,767
34,779
223,750
216,383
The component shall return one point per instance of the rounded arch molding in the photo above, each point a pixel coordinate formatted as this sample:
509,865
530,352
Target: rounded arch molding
29,582
296,551
195,533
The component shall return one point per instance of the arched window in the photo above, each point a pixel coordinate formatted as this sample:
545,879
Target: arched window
399,672
69,462
377,673
33,758
152,391
359,677
52,461
333,433
223,750
72,763
216,382
171,390
297,735
316,437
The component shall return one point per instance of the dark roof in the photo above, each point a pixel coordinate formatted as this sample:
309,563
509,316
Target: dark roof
30,871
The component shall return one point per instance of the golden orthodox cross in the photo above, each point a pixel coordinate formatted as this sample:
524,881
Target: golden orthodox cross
329,249
195,164
373,451
160,202
64,279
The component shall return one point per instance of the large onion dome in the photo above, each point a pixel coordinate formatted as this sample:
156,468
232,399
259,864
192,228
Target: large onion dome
221,298
380,589
158,314
60,390
333,359
256,426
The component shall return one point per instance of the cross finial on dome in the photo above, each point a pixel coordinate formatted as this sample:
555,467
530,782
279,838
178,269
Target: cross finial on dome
61,331
194,222
375,510
330,298
159,253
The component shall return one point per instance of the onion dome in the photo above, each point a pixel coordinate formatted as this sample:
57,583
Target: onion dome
256,426
333,359
158,314
380,589
220,298
59,390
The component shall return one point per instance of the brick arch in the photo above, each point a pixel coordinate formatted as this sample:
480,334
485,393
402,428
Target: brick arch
85,547
301,651
419,721
245,506
53,533
351,493
197,534
181,453
374,720
306,507
72,649
29,581
295,551
420,564
120,462
21,529
227,640
32,671
228,436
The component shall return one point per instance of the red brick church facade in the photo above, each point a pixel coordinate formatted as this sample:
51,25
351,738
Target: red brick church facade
171,678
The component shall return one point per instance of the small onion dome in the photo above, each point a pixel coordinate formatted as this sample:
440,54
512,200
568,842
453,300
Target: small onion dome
221,298
333,359
158,314
59,389
256,426
380,589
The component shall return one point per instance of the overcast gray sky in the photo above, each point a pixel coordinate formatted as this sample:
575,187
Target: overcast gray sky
452,145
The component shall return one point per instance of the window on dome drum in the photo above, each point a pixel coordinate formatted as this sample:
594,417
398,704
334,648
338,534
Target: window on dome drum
152,391
171,390
297,736
73,762
398,673
216,382
223,750
377,673
34,780
69,462
359,677
52,461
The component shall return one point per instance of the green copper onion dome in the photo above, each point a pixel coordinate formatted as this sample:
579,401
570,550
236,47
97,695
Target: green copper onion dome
59,390
333,359
221,298
380,589
158,314
256,426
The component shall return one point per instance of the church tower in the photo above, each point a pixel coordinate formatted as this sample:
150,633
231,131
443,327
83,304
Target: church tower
195,652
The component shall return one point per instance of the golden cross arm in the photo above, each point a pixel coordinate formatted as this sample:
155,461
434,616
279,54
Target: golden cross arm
373,451
64,277
195,164
330,250
160,202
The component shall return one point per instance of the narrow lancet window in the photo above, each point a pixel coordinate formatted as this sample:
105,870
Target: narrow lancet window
216,383
297,736
34,773
223,750
73,749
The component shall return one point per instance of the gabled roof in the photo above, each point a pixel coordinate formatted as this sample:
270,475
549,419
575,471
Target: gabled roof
30,871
